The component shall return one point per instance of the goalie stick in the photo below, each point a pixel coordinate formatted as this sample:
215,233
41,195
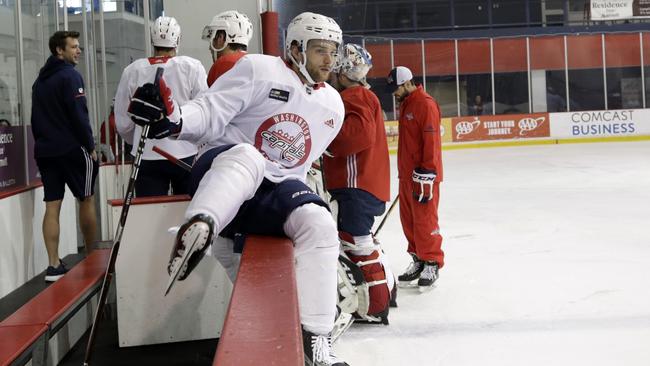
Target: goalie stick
110,270
383,220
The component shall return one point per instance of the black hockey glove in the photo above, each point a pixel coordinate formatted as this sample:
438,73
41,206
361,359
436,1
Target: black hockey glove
423,184
153,103
164,128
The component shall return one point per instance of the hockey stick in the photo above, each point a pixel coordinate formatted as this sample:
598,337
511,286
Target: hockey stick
110,270
173,159
383,221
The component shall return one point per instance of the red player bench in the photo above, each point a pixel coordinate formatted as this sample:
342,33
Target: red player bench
26,332
262,326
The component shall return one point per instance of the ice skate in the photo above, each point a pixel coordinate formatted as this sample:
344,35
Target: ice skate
412,273
192,239
428,276
318,350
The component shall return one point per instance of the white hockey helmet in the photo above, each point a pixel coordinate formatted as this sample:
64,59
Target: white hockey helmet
306,27
355,62
165,32
236,25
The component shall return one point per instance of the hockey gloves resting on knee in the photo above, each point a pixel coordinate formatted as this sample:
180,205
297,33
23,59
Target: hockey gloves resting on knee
152,104
423,184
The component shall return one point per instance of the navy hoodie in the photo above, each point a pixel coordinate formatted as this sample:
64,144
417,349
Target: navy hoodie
59,112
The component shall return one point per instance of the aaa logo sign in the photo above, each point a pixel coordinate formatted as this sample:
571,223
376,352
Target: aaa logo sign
501,127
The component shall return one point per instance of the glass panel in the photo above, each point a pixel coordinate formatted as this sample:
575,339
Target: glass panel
511,76
409,54
134,6
433,15
535,12
586,90
548,80
624,88
508,12
623,59
155,9
475,77
39,23
356,17
396,16
441,75
381,66
475,94
12,140
511,92
109,6
471,13
555,93
586,82
124,44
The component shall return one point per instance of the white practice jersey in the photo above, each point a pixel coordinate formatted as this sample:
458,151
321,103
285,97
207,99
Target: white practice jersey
262,102
185,76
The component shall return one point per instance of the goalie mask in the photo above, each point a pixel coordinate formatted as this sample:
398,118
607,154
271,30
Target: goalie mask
355,62
236,25
165,32
306,27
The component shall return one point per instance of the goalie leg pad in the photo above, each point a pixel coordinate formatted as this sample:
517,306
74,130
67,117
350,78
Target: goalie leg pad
375,276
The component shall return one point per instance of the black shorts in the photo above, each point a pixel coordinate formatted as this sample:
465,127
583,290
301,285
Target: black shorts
76,168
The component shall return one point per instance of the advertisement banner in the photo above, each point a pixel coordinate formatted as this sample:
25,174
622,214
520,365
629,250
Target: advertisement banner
445,130
392,134
626,122
619,9
12,157
500,127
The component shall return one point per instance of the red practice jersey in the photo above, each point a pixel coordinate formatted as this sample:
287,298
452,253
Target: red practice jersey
419,143
223,64
360,149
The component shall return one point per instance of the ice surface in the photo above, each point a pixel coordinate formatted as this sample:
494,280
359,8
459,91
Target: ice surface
547,263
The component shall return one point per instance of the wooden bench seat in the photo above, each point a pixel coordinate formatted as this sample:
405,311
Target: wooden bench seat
47,312
22,342
262,326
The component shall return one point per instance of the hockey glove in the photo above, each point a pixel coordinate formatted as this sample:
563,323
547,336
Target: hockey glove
152,103
423,184
164,128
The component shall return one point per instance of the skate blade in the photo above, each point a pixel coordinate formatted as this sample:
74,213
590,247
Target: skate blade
410,284
177,270
424,289
343,322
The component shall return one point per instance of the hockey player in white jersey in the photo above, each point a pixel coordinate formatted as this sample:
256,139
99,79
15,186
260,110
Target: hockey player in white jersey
186,78
263,124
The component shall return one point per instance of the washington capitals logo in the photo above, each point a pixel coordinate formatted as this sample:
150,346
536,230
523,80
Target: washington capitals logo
285,139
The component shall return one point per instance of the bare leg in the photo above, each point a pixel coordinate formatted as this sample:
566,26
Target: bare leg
51,231
88,222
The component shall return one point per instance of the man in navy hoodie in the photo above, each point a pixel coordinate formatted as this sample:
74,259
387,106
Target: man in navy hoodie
64,146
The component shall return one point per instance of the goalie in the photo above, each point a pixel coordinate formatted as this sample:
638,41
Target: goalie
357,177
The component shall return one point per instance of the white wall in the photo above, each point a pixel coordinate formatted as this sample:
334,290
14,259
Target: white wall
194,15
194,308
22,250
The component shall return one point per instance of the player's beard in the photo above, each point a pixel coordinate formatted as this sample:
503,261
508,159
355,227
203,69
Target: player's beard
316,74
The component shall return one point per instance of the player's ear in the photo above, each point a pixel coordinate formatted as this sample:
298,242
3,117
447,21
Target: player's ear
295,51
